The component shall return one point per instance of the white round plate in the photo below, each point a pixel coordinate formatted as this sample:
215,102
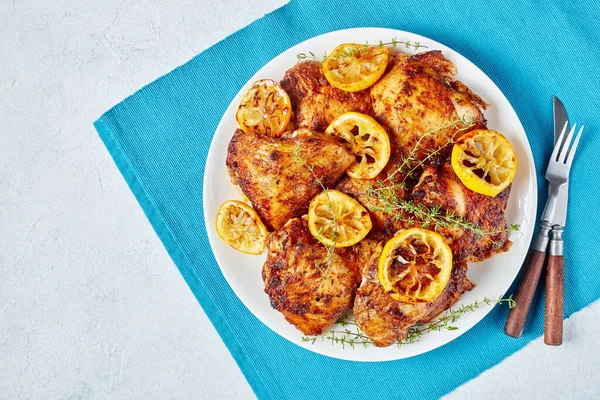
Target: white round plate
493,277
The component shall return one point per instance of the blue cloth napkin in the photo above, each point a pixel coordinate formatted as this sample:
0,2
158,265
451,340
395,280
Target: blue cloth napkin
159,139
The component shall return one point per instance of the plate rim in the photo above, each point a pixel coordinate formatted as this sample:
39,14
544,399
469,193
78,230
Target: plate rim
437,46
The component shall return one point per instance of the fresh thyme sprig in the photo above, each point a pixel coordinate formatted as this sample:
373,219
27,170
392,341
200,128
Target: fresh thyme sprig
330,249
385,197
410,164
448,318
407,44
310,56
434,217
350,334
394,42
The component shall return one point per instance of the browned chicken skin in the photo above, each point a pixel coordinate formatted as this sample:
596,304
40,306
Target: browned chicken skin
420,106
418,103
386,320
314,101
311,293
440,187
417,100
273,177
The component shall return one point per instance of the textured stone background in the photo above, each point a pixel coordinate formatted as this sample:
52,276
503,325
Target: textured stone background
91,305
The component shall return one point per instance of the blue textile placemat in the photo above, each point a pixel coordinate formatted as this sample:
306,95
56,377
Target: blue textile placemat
160,136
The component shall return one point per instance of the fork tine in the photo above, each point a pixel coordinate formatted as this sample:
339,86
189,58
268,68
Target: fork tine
564,151
571,154
559,143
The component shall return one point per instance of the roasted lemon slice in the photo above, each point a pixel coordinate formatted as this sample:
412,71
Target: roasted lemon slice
415,265
337,220
484,161
265,108
366,139
240,227
353,67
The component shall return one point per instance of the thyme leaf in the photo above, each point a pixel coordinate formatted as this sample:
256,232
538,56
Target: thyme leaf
356,51
323,266
350,334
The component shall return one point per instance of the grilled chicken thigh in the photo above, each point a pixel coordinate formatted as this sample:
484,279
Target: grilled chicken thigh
421,108
420,104
385,320
314,101
440,187
272,173
311,292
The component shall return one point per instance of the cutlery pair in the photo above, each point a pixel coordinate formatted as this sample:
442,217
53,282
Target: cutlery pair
553,221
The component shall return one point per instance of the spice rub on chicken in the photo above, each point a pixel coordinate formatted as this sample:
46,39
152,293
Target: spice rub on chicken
272,172
311,290
440,188
314,101
423,110
476,229
421,105
385,320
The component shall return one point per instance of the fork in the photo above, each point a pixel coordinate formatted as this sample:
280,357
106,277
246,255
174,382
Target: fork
557,176
553,218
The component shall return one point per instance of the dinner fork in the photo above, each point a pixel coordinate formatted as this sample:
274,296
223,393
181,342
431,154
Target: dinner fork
553,218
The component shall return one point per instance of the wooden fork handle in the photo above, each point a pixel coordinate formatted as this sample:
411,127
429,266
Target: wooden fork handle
525,292
555,286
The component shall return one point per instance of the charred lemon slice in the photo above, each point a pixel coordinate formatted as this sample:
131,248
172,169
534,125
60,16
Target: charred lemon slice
265,108
337,220
415,265
366,139
353,67
484,161
240,227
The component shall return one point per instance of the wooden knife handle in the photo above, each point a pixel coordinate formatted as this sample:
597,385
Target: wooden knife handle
555,285
555,290
525,292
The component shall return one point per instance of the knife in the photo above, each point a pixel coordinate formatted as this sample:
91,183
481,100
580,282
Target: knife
560,117
537,253
554,312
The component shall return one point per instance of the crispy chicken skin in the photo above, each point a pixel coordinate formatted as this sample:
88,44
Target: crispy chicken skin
417,96
419,105
296,282
386,320
275,179
314,101
440,187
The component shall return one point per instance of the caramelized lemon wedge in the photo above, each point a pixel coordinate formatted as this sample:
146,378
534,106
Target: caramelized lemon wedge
415,265
337,220
484,161
240,227
265,108
353,67
366,139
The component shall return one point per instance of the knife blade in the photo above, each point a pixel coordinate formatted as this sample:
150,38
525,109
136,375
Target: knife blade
561,192
560,117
